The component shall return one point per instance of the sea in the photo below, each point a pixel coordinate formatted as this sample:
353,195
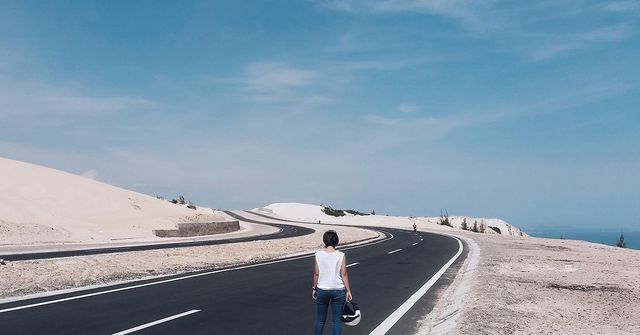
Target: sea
632,239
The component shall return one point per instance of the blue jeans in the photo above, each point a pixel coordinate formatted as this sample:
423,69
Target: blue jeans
324,298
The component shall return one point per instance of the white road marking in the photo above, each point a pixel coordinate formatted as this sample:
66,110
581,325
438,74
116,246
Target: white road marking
150,324
311,254
391,320
391,252
415,243
352,264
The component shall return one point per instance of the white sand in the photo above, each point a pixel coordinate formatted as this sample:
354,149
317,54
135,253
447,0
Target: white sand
42,205
313,213
541,286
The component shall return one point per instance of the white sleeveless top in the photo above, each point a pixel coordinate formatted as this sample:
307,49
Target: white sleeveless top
330,264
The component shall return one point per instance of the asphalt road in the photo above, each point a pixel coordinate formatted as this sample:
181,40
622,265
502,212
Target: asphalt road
284,230
266,298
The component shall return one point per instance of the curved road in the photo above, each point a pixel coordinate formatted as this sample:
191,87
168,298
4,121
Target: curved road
284,230
266,298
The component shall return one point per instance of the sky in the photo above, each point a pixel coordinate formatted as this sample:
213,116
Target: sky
527,111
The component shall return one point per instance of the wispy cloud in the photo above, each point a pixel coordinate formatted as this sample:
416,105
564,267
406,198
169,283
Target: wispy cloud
266,76
470,13
30,98
278,82
407,108
623,6
398,128
544,30
553,46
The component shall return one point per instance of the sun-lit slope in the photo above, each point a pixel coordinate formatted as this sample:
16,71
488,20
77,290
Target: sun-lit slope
43,205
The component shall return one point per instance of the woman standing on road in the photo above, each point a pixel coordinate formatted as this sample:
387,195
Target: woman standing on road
330,283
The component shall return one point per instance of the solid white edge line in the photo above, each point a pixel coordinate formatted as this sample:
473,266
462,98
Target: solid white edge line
150,324
352,264
391,320
394,251
307,255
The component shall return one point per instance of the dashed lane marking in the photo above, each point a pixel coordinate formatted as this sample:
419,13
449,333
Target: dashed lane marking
415,243
391,252
352,264
151,324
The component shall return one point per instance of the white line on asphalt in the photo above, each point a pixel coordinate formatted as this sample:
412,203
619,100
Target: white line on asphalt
352,264
391,252
150,324
391,320
415,243
179,278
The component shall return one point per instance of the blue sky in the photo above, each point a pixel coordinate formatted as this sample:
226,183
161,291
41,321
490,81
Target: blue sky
527,111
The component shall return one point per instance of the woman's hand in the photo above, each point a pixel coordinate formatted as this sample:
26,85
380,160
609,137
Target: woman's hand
314,294
349,297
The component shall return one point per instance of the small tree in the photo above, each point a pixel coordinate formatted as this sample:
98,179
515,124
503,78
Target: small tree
475,226
464,225
482,227
373,212
621,243
444,219
181,200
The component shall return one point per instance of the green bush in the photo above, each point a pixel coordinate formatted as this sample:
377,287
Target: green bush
333,212
621,243
464,225
444,219
475,227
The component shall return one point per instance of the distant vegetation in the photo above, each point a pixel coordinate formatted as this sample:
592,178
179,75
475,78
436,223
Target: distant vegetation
341,212
478,228
181,200
464,225
444,219
621,243
333,212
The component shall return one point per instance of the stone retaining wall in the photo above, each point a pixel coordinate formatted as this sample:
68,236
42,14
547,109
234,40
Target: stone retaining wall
189,229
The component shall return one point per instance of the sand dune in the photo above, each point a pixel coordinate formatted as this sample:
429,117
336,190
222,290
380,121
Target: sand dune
314,213
43,205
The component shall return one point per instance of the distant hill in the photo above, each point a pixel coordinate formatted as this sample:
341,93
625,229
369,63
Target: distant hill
315,213
43,205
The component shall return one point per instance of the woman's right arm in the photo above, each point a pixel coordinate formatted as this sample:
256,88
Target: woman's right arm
345,278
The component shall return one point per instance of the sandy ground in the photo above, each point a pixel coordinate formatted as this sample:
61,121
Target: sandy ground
541,286
39,205
22,278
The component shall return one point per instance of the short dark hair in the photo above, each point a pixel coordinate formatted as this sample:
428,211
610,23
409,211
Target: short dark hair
330,238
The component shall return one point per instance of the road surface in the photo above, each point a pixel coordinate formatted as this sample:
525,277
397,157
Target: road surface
266,298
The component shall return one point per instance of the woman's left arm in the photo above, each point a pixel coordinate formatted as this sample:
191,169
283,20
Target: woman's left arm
316,274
